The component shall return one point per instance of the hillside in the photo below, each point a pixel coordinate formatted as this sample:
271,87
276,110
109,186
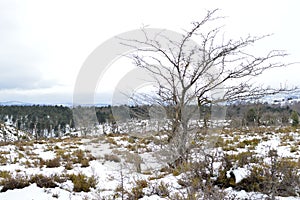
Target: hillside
9,133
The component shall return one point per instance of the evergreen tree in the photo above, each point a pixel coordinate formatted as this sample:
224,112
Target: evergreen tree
295,119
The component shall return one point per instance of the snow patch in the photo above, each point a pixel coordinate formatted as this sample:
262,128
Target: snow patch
239,174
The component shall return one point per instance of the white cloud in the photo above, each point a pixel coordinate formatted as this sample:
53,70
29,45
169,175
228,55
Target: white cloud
44,43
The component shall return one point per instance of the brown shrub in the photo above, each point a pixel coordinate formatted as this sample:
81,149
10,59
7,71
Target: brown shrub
43,181
17,182
55,162
82,182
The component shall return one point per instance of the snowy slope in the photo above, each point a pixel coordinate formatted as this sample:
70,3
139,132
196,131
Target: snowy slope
9,133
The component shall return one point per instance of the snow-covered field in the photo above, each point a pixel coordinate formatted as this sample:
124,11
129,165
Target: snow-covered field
117,166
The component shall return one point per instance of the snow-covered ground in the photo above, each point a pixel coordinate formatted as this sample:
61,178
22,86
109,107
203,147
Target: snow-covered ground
121,162
9,133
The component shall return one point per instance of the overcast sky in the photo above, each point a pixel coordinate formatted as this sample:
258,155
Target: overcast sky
43,44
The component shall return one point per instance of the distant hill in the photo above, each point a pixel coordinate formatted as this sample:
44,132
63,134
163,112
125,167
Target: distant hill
15,103
20,103
282,99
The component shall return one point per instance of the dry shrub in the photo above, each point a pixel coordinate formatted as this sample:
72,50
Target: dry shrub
78,156
17,182
85,162
82,182
111,141
43,181
280,178
69,166
5,174
137,191
3,160
52,163
161,189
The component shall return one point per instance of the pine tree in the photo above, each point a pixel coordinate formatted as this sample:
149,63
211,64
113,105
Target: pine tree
295,119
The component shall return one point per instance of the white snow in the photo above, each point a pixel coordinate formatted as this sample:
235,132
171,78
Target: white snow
239,173
108,173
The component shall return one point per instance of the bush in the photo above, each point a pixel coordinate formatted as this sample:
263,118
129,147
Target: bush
242,159
43,181
82,157
142,183
55,162
111,141
137,191
281,178
176,171
60,178
161,189
85,162
82,182
17,182
256,182
294,149
295,119
223,181
3,160
79,155
69,166
5,174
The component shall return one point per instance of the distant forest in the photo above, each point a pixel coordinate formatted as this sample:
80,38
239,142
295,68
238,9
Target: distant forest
58,120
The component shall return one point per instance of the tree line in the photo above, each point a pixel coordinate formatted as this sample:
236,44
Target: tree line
257,114
38,119
58,120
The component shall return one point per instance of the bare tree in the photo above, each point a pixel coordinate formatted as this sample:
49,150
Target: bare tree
84,119
216,70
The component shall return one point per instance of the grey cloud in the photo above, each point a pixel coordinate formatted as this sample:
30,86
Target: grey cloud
14,76
21,68
20,64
